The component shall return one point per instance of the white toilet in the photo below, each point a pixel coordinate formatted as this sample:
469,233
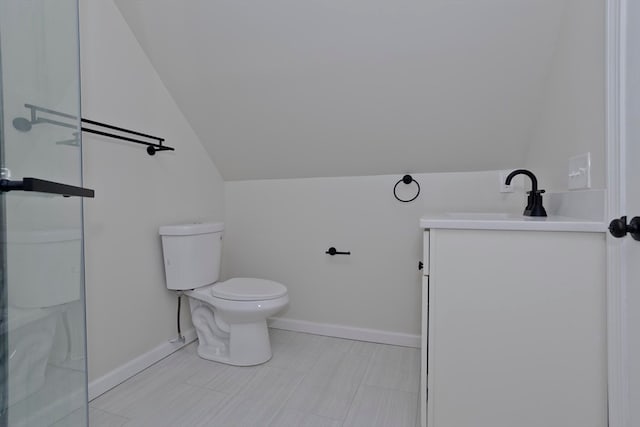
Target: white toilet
39,301
230,317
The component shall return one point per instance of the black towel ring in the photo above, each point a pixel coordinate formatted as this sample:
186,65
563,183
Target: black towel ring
407,179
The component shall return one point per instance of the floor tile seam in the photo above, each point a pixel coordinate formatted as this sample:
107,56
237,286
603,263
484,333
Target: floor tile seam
390,389
106,408
402,354
382,388
229,397
399,368
341,420
305,373
285,401
294,370
340,371
205,386
315,362
353,398
323,390
249,394
366,358
345,369
110,413
174,398
223,404
325,379
342,348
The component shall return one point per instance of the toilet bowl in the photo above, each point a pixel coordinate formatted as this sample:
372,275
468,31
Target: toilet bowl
39,299
31,335
237,310
230,317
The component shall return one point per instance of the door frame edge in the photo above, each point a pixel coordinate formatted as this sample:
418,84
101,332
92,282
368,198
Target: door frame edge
617,368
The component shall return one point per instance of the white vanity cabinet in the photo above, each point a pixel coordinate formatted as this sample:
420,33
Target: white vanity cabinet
514,331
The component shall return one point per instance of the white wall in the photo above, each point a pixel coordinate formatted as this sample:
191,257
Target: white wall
280,229
290,89
129,310
572,118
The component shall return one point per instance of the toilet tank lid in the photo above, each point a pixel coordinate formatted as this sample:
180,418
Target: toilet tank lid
191,229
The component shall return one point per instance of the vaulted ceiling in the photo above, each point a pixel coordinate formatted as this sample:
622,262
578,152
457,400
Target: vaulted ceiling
301,88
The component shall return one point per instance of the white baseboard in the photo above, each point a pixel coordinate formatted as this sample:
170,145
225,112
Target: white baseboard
339,331
140,363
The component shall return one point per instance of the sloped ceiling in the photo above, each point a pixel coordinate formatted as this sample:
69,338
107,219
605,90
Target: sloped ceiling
301,88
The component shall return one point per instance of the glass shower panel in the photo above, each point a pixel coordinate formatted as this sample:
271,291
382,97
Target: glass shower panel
43,348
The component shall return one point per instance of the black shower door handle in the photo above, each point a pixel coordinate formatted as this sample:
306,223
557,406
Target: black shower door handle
42,186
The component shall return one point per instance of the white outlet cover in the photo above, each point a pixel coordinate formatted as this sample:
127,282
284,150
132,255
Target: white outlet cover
580,172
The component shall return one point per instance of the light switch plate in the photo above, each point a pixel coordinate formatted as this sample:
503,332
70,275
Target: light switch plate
580,172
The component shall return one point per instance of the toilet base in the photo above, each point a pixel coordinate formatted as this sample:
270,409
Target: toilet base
247,345
225,337
30,341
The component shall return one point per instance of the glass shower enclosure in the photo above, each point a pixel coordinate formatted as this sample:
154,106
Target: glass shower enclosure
43,369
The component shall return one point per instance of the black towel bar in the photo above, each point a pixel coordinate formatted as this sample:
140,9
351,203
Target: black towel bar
24,125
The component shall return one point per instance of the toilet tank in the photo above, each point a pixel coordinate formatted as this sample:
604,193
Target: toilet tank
191,254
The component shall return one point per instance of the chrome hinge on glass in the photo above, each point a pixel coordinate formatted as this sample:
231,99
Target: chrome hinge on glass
5,173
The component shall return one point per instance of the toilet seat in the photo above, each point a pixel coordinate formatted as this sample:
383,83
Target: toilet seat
247,289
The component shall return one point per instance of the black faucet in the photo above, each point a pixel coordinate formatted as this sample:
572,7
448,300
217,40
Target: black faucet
534,201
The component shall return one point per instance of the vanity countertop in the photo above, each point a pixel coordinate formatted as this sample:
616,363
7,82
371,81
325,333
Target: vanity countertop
505,221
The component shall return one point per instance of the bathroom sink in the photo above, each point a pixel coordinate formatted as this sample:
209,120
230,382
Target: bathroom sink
479,216
507,221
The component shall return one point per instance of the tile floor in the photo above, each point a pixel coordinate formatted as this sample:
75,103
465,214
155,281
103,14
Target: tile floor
310,381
